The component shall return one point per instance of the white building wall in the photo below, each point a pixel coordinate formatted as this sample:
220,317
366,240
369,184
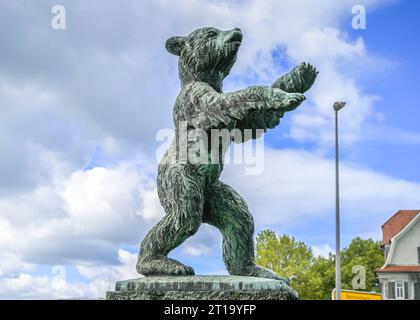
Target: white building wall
405,251
410,278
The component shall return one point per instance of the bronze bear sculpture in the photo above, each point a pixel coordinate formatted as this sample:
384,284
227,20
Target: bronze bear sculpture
191,193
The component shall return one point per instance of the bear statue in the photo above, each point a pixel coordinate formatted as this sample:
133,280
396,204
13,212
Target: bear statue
191,193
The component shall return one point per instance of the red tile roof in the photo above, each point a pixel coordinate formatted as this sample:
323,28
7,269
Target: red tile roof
396,223
400,269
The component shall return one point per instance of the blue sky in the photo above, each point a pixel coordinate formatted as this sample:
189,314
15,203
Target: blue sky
392,32
81,108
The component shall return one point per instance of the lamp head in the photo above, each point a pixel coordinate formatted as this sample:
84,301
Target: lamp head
339,105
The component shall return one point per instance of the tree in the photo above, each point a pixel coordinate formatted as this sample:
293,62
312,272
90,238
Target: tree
290,259
365,253
314,277
324,268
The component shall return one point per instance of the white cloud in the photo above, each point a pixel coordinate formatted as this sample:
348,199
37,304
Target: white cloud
203,243
322,250
102,202
11,262
196,251
125,270
296,185
82,218
100,279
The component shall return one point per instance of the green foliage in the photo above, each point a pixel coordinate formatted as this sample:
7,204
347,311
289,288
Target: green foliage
364,253
314,276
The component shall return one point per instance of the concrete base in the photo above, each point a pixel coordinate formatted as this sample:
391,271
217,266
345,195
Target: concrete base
202,288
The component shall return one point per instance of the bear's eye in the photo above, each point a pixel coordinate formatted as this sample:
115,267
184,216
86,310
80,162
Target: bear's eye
212,34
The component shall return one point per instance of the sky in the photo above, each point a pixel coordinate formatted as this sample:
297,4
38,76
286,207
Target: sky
81,107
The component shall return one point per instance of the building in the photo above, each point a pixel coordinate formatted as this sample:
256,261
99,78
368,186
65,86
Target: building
399,278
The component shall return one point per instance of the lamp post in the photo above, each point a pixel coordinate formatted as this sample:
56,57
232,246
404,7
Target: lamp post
337,107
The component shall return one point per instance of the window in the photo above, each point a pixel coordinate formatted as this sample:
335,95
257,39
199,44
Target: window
417,291
385,290
391,290
399,290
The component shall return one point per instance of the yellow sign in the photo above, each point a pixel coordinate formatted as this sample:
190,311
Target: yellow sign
357,295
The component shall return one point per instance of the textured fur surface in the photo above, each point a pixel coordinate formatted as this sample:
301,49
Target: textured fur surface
191,193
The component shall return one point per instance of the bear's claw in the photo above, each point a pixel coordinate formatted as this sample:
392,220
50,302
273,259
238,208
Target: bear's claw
261,272
162,266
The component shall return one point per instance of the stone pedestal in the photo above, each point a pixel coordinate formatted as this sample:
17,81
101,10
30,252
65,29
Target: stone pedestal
201,288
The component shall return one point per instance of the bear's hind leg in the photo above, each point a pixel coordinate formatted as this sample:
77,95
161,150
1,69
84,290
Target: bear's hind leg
183,203
226,210
162,239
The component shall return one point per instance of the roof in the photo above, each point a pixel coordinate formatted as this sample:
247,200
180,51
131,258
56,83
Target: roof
397,269
396,223
394,240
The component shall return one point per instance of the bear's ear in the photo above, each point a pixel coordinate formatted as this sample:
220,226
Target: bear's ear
175,44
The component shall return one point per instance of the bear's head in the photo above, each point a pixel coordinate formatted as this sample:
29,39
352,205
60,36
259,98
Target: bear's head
206,55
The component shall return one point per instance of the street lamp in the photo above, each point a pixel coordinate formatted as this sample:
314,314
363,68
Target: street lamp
337,107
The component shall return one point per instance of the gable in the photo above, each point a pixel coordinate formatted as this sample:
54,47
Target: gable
404,246
396,223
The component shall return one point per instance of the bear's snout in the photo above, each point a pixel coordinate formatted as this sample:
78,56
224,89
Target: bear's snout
233,36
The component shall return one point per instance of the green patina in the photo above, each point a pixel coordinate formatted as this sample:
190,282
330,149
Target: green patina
202,287
192,193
